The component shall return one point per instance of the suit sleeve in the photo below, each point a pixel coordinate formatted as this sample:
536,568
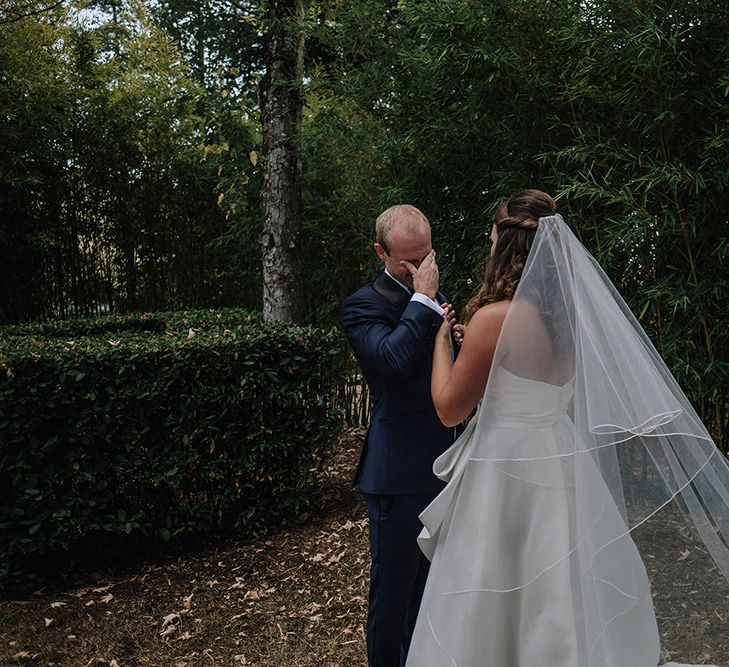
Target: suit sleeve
391,351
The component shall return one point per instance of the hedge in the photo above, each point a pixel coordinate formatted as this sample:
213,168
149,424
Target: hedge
207,426
108,324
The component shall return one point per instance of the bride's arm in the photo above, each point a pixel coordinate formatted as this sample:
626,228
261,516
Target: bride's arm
456,388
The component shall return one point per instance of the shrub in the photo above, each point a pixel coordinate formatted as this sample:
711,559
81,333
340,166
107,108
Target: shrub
153,436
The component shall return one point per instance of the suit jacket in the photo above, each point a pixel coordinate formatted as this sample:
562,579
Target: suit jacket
392,338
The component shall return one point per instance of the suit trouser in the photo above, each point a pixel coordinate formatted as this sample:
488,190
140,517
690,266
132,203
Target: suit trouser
397,576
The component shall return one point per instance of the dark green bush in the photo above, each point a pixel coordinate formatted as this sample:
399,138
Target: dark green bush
86,326
111,324
210,426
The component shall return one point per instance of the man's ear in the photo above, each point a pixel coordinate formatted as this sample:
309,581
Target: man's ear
380,251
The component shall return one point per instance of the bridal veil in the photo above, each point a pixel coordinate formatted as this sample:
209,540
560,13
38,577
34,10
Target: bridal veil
584,490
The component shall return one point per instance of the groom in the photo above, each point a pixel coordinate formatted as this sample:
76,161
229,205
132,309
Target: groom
391,325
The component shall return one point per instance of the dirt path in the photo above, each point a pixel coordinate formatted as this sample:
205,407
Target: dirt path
297,597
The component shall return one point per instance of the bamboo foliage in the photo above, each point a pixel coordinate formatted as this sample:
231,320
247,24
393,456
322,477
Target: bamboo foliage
619,109
106,202
131,170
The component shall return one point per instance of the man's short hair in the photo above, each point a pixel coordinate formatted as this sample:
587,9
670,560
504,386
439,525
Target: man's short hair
404,216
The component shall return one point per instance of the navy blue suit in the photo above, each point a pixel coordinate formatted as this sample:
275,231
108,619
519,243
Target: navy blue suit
392,338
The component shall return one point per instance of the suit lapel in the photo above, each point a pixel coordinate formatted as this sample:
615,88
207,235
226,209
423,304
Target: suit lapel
395,294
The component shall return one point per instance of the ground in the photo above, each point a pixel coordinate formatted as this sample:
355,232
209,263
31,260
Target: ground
297,597
294,598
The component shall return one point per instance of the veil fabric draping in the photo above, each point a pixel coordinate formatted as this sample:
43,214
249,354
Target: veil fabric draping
582,438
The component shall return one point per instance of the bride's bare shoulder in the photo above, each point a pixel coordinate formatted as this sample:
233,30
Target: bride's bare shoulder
491,313
489,318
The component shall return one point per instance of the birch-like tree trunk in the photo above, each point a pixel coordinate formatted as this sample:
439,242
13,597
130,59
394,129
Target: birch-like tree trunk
281,104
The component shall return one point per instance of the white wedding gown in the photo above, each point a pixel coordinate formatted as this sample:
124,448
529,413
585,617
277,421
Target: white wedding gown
510,584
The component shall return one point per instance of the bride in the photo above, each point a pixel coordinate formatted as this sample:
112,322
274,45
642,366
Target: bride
581,439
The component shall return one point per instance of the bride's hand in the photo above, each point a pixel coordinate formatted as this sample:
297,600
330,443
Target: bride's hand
449,321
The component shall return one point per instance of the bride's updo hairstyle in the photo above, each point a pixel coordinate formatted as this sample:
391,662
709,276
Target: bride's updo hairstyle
516,226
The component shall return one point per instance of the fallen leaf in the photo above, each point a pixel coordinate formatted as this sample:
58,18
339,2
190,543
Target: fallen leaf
170,618
335,559
254,595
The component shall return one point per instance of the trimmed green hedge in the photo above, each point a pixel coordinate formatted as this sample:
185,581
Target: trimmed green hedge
208,426
85,327
108,324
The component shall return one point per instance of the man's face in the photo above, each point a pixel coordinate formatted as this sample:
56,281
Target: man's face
404,246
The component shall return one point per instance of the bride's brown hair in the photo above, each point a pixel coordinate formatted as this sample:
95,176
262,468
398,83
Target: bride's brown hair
516,225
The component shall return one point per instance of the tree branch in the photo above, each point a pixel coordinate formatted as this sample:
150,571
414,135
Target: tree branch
19,15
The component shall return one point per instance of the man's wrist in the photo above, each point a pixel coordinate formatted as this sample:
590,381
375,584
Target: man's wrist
427,301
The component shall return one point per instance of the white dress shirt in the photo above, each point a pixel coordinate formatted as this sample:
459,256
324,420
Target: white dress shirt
418,296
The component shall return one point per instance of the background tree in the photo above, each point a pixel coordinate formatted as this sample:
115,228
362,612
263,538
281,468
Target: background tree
281,104
107,201
131,138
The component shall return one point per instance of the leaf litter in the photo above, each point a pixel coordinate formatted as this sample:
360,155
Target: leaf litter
297,597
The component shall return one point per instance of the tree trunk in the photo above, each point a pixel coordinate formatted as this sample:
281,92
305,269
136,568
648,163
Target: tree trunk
199,68
281,104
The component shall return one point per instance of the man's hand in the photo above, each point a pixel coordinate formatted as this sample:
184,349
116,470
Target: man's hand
425,277
459,330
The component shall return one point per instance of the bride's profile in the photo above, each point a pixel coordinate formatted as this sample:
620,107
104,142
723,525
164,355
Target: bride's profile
581,442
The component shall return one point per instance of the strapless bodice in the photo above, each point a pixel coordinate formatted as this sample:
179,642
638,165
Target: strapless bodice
516,402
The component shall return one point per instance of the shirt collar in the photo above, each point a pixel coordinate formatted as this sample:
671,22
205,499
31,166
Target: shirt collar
405,287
